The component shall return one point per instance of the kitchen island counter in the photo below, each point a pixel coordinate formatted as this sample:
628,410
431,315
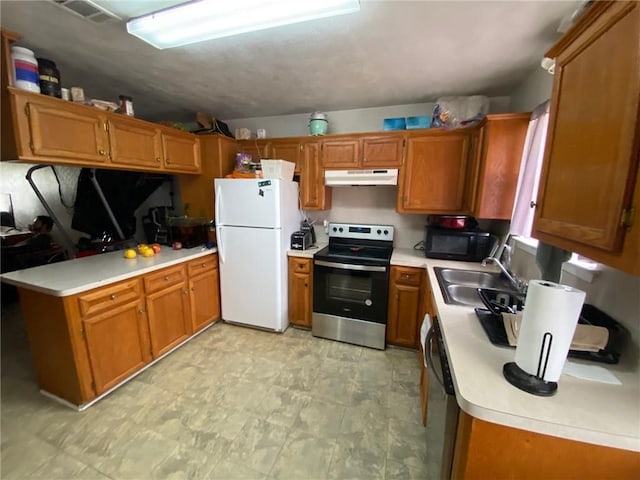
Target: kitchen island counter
81,274
581,410
96,322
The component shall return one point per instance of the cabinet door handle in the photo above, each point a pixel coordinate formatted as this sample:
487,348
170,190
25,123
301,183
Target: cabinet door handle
113,296
166,279
204,265
185,291
306,284
158,159
168,161
142,310
102,152
533,204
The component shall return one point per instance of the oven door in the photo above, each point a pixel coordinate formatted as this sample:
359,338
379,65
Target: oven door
351,290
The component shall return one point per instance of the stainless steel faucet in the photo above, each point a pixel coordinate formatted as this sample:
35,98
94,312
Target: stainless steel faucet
515,281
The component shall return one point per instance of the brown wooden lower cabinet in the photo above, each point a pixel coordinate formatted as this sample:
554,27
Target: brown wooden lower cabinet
406,285
487,450
169,318
84,344
204,288
117,344
300,291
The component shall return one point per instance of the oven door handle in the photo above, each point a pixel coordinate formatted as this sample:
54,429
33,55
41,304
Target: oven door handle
428,355
348,266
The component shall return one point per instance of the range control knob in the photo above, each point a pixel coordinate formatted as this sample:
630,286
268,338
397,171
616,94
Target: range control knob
335,229
386,232
340,229
379,231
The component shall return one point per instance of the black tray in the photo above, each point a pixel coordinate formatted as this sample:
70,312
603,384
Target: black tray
590,315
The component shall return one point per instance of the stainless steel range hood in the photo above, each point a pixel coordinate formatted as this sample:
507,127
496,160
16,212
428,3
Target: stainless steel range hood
343,178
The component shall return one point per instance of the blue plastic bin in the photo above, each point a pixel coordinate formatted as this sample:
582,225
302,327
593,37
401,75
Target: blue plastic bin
394,123
420,121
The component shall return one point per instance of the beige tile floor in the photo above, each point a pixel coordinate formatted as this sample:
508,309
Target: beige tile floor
234,403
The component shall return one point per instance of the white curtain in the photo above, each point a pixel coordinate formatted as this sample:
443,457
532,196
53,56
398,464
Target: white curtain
530,166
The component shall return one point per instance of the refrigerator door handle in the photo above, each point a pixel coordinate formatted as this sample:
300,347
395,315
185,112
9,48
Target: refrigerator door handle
217,219
218,198
220,244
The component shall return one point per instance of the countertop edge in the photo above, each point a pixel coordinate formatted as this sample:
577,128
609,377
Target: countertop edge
566,432
6,277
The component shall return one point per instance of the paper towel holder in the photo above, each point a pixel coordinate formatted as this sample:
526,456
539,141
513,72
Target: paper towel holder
527,382
534,384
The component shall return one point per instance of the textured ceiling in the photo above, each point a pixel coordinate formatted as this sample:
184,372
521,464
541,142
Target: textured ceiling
390,53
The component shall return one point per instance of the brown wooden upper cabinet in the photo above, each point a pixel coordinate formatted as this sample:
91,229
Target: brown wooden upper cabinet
256,148
341,153
435,173
288,150
383,151
218,155
363,151
133,144
589,194
314,195
499,149
181,151
71,134
45,129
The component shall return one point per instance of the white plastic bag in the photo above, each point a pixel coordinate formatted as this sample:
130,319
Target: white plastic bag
456,112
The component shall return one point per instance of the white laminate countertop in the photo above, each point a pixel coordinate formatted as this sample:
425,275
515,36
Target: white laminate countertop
581,410
82,274
309,252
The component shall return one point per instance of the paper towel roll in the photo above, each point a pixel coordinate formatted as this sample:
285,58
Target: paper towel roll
549,320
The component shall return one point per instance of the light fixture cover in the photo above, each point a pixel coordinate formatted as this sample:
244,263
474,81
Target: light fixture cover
208,19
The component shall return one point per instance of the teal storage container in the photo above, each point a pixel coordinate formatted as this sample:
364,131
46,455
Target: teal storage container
318,126
420,121
394,123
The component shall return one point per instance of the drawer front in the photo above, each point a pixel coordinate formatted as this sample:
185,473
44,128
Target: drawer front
109,297
300,265
203,264
407,276
164,278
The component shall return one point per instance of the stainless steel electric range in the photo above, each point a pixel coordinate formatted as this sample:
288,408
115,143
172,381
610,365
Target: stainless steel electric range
350,284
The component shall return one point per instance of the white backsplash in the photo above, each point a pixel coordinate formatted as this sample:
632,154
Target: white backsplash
370,205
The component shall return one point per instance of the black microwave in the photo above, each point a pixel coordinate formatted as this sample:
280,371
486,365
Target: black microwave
463,245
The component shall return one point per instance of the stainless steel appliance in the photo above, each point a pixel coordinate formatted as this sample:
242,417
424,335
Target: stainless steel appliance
463,245
442,416
350,284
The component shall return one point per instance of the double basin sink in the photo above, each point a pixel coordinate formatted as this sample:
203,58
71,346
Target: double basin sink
460,287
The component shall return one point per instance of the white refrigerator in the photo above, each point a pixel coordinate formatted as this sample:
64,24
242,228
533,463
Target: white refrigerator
254,222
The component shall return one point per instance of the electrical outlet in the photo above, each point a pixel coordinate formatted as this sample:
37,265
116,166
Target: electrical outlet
325,224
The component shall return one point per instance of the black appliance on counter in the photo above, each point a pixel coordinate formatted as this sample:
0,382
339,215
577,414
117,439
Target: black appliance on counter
455,244
301,240
351,278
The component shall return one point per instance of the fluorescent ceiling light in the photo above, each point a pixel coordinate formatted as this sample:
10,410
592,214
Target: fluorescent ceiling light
208,19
